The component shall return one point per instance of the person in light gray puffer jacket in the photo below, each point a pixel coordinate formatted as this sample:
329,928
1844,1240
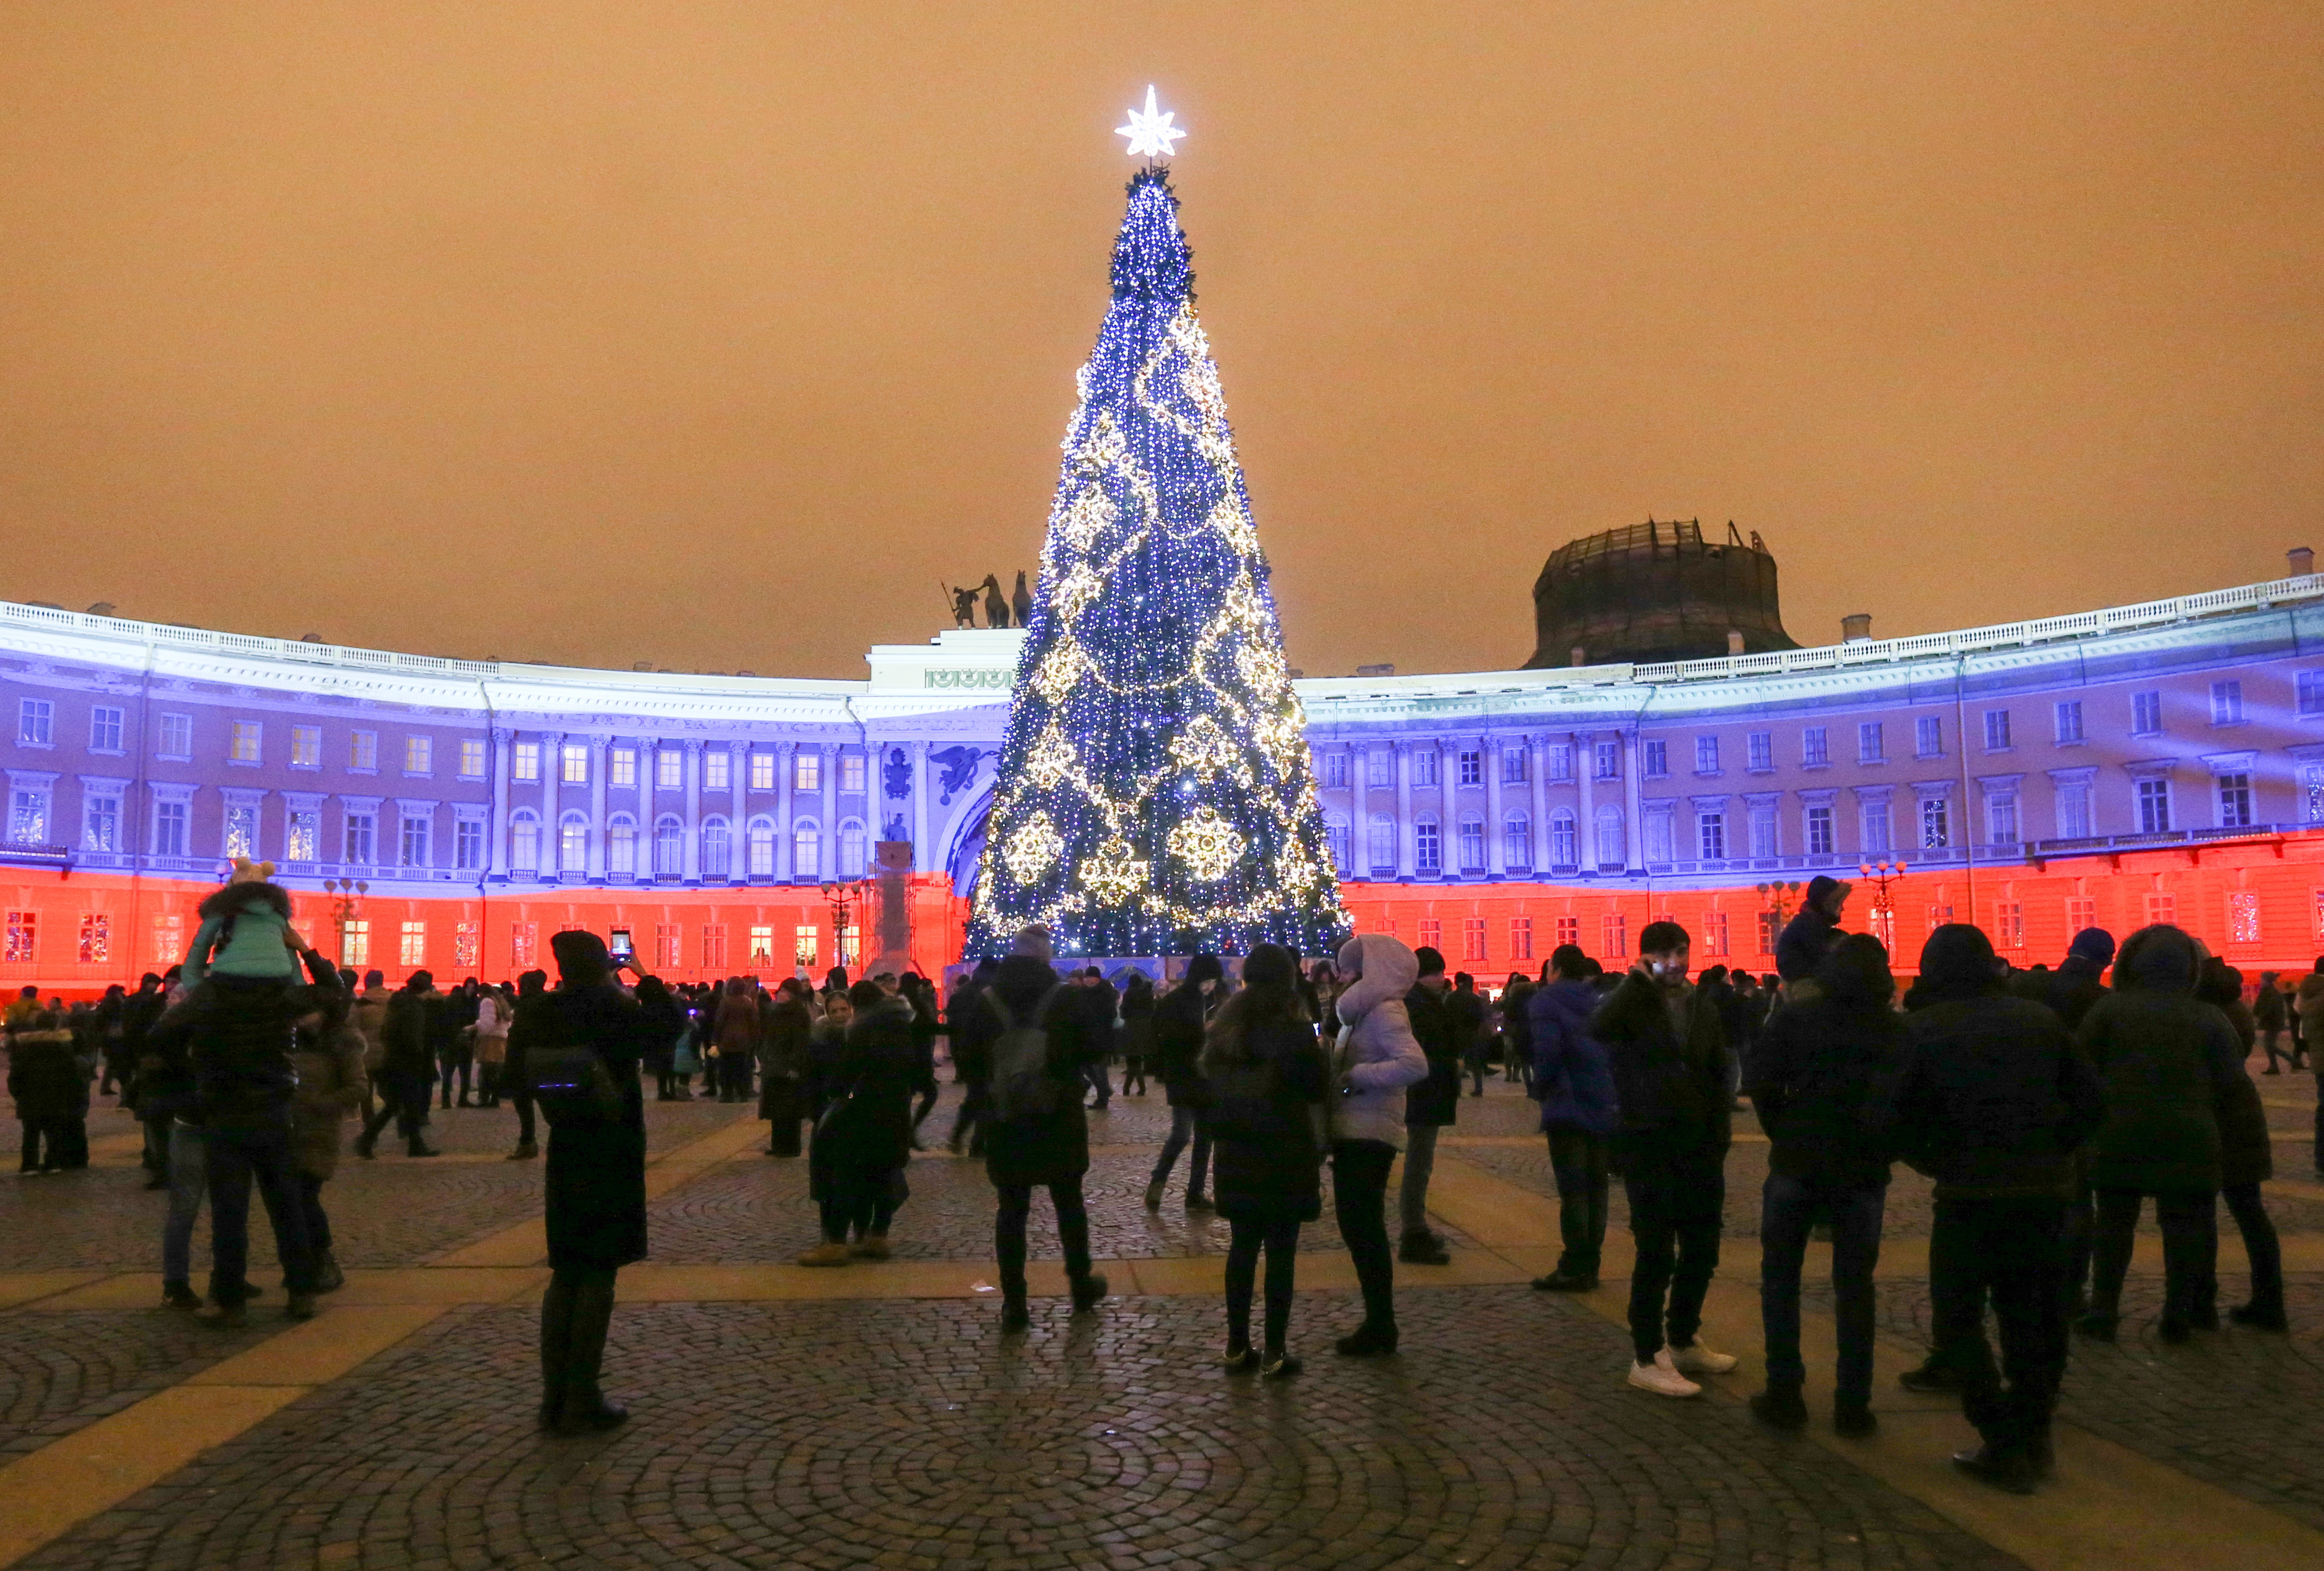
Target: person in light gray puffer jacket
1376,1057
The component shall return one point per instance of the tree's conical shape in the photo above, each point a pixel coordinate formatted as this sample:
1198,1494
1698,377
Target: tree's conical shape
1156,794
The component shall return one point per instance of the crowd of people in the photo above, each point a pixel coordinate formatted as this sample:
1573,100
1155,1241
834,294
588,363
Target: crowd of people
2046,1105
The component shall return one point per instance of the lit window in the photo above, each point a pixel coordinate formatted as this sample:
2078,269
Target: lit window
363,750
105,729
96,938
168,939
1936,822
2070,721
526,763
24,935
762,771
2243,916
2155,807
806,850
2234,801
763,948
1427,849
804,945
354,942
419,755
302,835
576,756
2009,924
243,746
412,949
524,841
669,768
851,774
624,768
2226,704
241,836
1714,934
177,740
1814,750
464,946
2145,714
306,746
1996,730
717,770
28,815
100,823
524,942
36,722
472,757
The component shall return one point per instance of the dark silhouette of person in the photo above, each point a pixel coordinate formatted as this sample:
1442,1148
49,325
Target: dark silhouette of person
964,607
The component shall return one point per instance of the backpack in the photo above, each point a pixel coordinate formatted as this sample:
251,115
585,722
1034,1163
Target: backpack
1022,1091
569,1082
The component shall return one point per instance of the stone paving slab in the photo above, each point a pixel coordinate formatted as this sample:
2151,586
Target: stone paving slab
911,1436
59,1372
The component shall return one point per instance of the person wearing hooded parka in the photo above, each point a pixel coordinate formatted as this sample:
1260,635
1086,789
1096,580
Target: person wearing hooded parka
1375,1058
2169,1063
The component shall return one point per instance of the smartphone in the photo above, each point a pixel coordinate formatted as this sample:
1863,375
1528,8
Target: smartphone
623,949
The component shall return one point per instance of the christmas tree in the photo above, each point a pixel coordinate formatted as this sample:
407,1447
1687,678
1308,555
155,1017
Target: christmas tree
1156,794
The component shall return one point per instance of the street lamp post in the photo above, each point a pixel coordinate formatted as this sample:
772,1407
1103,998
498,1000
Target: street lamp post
1778,898
843,897
1883,873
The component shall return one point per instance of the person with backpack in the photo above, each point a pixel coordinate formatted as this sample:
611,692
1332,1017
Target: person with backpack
581,1046
1033,1035
1268,1077
1180,1020
1375,1058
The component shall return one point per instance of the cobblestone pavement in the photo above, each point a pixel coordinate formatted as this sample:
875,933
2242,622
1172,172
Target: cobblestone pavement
61,1370
908,1436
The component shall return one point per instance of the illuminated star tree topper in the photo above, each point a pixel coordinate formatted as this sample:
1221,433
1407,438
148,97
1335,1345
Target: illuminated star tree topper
1156,794
1150,133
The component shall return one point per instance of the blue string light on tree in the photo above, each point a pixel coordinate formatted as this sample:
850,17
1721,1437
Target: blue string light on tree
1156,794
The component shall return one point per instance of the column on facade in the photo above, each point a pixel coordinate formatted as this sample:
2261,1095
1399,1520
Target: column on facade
829,773
497,857
783,760
1406,832
1495,832
738,835
1537,759
551,854
923,860
1633,839
690,856
597,831
1585,778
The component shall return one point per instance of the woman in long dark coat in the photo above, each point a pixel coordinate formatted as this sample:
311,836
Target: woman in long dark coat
596,1177
1267,1076
863,1136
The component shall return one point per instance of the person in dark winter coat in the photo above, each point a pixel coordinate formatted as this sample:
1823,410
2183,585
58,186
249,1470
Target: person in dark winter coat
596,1181
785,1036
1137,1031
1428,1107
1574,1081
407,1072
1046,1148
1470,1013
864,1128
1669,1057
2270,1013
2070,991
2247,1161
1824,1078
2168,1063
1995,1102
45,1081
1809,936
1269,1076
1180,1019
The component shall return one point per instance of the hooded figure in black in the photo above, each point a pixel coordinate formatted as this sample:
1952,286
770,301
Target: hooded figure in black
1994,1105
1809,936
596,1177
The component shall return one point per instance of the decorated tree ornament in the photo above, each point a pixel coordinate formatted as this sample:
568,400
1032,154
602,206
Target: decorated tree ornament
1156,793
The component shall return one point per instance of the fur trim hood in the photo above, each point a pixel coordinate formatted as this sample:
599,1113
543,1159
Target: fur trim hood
239,898
1388,970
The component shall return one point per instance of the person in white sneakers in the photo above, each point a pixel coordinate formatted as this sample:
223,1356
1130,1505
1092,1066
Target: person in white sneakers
1669,1056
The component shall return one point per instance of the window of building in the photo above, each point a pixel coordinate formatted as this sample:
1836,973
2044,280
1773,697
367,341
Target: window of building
2155,807
28,815
1869,747
36,722
670,769
2226,704
2311,694
1936,824
763,947
1561,761
414,844
575,761
361,838
468,844
1711,836
714,946
2317,931
1818,824
1613,842
621,767
1379,768
2161,907
419,755
1654,759
573,842
1759,752
1765,829
718,847
169,828
1996,730
240,829
1432,935
2243,916
669,847
2001,821
1609,760
718,770
1383,843
1879,838
472,757
524,840
1473,766
243,741
411,947
1517,841
363,751
354,942
760,837
2069,729
806,770
96,938
22,936
1472,845
168,939
524,945
2145,714
854,846
100,822
851,774
1424,765
177,737
622,846
1815,751
1335,769
1613,933
804,944
1338,842
525,765
2082,911
2234,801
806,850
464,946
1520,938
1428,846
105,729
1473,938
302,835
1939,916
1569,931
1706,755
1928,737
2009,924
306,746
762,771
1513,767
1564,843
2073,809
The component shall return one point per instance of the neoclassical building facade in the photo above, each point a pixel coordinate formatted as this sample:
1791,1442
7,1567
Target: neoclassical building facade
2161,761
